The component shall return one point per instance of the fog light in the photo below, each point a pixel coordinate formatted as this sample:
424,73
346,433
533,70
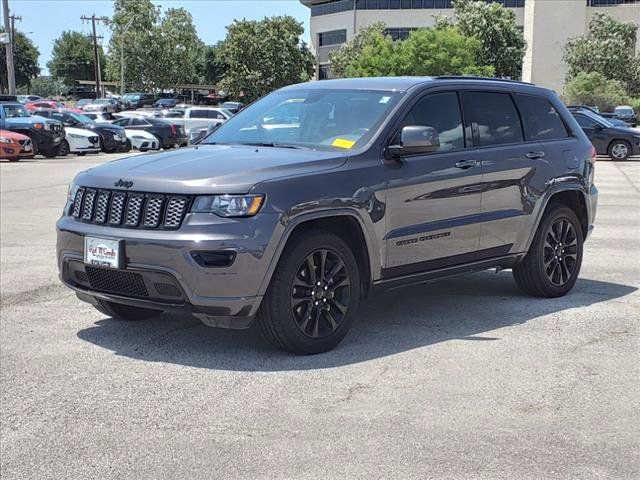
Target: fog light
214,259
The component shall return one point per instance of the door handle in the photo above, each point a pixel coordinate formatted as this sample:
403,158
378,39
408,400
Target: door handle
467,164
534,155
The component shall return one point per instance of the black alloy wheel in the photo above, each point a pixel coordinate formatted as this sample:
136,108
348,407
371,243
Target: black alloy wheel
560,252
320,294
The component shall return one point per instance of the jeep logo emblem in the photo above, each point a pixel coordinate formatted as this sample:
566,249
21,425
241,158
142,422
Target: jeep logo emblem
123,183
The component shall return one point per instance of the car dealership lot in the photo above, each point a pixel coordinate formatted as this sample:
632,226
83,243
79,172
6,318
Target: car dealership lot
467,378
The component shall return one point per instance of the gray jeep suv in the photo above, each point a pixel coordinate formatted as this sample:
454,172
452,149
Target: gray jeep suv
321,193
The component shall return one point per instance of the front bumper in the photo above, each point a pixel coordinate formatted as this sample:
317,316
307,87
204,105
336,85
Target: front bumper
109,143
220,296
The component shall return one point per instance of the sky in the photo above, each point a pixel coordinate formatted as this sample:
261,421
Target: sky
44,20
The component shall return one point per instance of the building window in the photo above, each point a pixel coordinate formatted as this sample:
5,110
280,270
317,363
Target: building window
401,33
323,71
609,3
334,37
335,6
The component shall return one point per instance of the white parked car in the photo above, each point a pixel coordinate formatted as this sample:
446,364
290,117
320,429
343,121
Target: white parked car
142,140
198,118
80,141
105,105
100,117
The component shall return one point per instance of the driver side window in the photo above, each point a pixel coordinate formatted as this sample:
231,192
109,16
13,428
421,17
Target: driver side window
442,112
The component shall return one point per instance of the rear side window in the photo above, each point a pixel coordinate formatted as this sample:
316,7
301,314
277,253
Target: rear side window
585,122
442,112
199,114
495,118
541,120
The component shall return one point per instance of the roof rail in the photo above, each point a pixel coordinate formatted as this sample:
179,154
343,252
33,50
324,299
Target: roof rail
473,77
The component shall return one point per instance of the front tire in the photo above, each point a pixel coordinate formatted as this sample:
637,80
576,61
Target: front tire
313,295
125,312
551,267
64,149
619,150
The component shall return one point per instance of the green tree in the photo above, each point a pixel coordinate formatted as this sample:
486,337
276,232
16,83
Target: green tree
608,48
427,51
211,66
72,58
348,52
262,56
595,89
181,49
140,44
25,62
47,86
502,43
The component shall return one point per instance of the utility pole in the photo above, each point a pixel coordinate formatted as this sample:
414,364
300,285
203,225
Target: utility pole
11,73
124,30
96,58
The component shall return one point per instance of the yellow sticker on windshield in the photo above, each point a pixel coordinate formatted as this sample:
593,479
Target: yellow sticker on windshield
343,143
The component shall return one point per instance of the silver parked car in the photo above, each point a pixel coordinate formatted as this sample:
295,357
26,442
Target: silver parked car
104,105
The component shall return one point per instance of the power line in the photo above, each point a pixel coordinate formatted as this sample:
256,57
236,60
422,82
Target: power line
95,37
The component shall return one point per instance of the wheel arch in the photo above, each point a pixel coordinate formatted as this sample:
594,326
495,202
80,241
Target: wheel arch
346,224
572,196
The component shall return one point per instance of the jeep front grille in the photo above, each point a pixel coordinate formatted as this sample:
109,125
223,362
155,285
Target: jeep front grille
130,209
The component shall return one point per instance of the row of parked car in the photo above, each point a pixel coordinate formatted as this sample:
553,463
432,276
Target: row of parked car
51,129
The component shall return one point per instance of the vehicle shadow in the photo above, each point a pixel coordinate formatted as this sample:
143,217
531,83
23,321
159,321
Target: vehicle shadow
467,308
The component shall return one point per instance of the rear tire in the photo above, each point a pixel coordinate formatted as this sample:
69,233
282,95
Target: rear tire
551,267
125,312
619,150
313,296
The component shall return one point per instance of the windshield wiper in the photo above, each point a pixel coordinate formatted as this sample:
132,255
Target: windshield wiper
273,145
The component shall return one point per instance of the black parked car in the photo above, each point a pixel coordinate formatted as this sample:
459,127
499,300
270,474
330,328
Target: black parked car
233,107
165,103
138,100
168,134
626,114
619,143
112,137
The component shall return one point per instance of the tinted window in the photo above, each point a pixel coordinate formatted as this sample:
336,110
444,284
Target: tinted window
496,118
122,122
137,122
199,114
541,119
442,112
585,122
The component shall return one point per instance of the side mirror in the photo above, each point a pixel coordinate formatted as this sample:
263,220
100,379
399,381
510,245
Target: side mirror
415,139
598,127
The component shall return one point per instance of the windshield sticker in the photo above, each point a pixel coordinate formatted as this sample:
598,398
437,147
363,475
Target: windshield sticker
343,143
385,99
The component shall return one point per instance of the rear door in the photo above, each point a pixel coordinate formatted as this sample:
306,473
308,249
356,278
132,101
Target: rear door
506,161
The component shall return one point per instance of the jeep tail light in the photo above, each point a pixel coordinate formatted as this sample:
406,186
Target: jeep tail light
594,154
173,129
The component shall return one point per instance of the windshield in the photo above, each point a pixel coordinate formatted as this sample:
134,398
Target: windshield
598,119
130,96
624,111
15,111
101,101
80,118
322,119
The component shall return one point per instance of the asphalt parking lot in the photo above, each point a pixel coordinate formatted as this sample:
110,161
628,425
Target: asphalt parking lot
463,379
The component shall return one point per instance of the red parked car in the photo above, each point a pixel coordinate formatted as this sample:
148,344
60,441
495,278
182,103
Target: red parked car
14,146
33,106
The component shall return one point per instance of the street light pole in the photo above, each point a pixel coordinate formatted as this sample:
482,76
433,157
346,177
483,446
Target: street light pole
11,73
124,30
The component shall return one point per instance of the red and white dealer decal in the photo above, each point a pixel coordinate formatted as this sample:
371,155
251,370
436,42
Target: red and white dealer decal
101,251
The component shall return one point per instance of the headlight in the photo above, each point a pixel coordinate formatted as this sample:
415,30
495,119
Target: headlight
74,135
5,140
39,126
71,191
229,205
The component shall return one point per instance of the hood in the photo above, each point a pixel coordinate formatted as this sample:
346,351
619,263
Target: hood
624,131
209,169
102,127
13,135
27,121
80,131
